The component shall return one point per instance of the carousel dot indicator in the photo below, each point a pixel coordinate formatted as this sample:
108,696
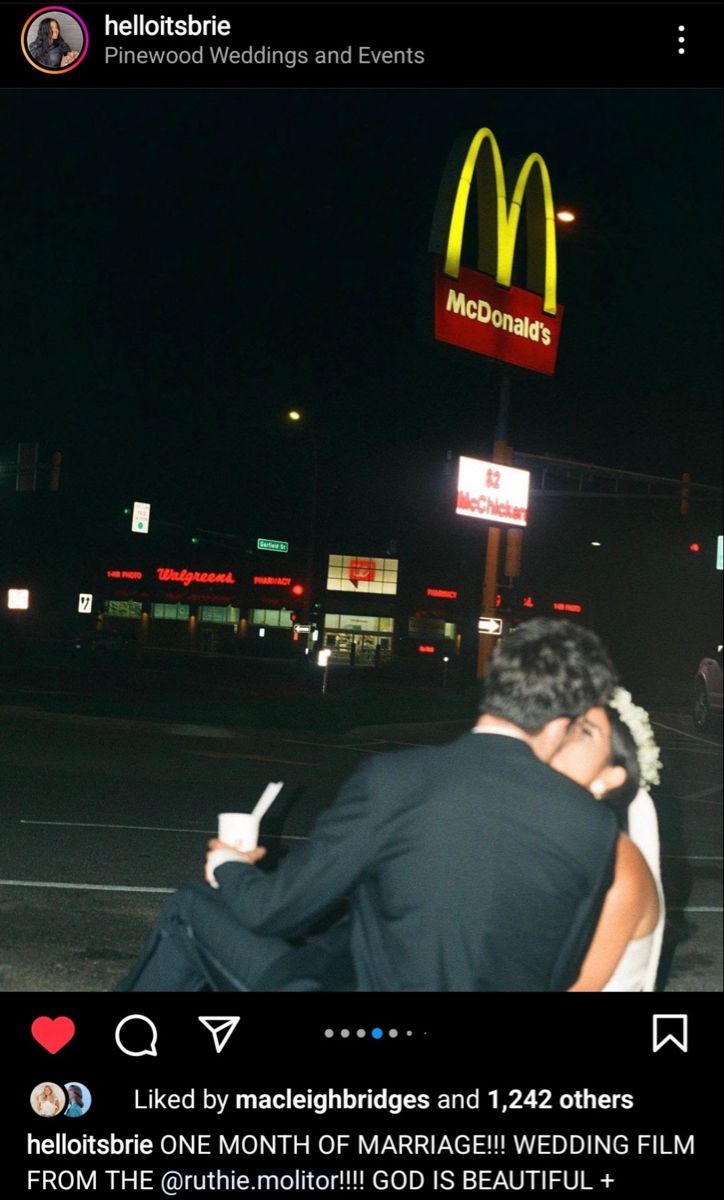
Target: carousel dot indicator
392,1033
344,1033
329,1033
361,1033
377,1033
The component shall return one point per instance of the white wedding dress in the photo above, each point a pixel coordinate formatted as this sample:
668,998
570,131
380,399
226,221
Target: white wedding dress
637,968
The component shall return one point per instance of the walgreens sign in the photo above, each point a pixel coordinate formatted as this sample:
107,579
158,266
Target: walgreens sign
492,492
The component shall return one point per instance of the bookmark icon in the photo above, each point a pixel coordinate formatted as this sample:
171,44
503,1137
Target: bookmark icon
220,1028
671,1027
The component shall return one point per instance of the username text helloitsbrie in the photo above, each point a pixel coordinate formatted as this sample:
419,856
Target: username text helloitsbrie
224,53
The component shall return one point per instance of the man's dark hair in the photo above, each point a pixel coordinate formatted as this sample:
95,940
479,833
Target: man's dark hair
546,669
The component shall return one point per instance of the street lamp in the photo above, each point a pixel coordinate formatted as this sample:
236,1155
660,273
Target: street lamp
298,417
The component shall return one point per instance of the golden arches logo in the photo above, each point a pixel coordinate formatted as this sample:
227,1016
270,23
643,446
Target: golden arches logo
497,220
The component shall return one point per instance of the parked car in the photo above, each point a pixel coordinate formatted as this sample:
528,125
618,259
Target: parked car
103,641
707,708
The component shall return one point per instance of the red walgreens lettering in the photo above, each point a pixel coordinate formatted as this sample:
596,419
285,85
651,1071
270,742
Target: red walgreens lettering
186,577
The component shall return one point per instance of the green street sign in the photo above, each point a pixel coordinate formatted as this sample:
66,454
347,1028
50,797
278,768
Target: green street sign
270,544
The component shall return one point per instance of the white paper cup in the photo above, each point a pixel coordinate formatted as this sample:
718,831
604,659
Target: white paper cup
240,830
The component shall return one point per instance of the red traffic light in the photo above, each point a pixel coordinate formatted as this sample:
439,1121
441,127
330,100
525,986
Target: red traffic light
297,589
694,547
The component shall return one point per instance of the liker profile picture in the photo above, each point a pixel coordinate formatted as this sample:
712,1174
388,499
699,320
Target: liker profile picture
54,40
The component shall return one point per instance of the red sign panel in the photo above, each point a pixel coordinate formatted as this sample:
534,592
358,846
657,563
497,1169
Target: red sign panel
442,593
560,606
272,580
362,570
509,324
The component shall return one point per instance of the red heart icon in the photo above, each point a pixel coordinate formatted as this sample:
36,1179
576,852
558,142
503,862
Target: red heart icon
53,1034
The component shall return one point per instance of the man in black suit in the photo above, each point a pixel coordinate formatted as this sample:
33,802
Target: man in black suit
471,866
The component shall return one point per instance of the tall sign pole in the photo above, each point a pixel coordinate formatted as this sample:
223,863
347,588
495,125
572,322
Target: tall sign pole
502,453
480,309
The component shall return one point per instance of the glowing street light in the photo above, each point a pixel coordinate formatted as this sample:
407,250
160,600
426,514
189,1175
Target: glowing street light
294,415
565,216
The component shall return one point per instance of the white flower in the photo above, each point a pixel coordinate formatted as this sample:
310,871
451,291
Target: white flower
639,724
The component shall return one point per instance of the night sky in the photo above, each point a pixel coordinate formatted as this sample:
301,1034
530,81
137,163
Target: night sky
180,267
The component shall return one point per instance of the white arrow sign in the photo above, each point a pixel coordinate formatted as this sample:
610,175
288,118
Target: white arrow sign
85,602
492,625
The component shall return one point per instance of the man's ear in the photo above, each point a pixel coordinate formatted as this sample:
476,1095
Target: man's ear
551,736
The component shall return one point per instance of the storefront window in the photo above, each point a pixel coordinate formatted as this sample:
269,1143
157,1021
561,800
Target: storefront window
359,622
171,612
273,617
430,628
124,608
212,614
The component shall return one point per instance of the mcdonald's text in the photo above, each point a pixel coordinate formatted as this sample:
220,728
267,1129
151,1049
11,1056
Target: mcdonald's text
477,314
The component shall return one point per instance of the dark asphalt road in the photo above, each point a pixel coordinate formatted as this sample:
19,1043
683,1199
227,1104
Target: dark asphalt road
104,817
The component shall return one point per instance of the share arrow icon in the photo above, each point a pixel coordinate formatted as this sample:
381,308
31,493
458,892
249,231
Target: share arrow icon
220,1028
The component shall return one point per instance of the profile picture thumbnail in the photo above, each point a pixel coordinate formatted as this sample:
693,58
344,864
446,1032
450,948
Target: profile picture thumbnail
48,1099
54,40
79,1100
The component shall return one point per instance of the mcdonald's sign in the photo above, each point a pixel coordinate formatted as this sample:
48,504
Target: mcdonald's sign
480,310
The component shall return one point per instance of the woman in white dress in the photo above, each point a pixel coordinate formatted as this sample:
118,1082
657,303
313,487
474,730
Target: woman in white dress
612,752
46,1101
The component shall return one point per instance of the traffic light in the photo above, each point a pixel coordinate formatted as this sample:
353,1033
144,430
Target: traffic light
297,589
294,618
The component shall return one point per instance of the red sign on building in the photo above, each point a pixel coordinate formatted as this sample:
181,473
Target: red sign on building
362,570
475,313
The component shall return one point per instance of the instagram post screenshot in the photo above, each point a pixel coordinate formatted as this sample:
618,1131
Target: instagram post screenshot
361,597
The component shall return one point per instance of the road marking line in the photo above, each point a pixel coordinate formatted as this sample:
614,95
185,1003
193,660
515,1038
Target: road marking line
284,837
696,908
83,887
324,745
104,825
287,762
680,748
695,857
708,791
682,732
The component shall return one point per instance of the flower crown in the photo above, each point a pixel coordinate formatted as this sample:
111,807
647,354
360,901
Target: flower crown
639,725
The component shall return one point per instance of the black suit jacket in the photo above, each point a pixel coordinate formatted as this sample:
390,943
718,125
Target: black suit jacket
469,867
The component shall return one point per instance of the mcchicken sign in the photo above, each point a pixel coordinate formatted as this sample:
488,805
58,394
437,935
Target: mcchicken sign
492,492
479,310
